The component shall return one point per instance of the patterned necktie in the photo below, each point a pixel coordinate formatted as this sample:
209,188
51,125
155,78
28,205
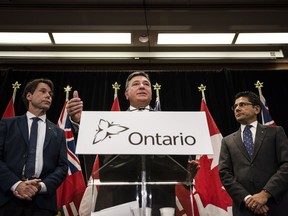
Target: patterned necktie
248,140
30,163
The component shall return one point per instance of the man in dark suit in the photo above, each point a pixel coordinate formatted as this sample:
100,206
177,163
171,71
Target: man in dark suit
139,94
256,175
32,193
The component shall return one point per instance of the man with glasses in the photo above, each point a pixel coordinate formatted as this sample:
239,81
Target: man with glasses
253,162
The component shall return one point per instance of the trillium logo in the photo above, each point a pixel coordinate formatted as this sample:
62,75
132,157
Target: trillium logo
107,129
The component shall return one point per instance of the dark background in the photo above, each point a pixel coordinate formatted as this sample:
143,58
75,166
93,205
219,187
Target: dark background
179,92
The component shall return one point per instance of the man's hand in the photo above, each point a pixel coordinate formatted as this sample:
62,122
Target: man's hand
257,203
193,167
28,189
75,107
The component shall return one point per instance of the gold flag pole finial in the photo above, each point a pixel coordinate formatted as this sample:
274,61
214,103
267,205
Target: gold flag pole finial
259,85
67,89
116,87
157,88
15,86
202,88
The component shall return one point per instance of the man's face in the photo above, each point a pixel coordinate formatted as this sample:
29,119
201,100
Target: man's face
139,92
245,112
41,99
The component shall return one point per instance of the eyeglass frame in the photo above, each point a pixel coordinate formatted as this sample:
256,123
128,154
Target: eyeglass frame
241,104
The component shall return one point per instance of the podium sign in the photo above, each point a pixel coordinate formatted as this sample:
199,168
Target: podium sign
144,133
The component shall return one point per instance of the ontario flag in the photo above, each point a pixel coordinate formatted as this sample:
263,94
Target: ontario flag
88,201
266,118
9,111
70,192
209,196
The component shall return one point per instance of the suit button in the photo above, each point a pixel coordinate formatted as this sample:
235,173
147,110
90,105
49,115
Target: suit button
24,156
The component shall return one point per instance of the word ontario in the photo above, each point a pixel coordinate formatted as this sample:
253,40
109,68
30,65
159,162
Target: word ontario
137,138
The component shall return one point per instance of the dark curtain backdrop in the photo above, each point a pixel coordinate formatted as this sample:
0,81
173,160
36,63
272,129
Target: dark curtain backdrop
179,92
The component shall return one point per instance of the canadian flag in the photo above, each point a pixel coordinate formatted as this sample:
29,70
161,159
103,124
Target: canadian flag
209,197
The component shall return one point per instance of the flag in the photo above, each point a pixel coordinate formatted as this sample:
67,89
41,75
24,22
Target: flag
209,196
88,201
266,118
70,192
9,111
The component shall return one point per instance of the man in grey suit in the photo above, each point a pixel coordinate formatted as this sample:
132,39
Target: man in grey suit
31,191
256,175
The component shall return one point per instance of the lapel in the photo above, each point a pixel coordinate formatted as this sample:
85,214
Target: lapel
240,144
23,126
50,130
259,137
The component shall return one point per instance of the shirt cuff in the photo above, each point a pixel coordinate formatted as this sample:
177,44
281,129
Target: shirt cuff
247,197
43,187
13,188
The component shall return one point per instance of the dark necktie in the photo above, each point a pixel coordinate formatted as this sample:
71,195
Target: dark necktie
248,140
30,163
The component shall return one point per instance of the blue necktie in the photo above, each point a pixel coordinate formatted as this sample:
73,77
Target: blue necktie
248,140
30,163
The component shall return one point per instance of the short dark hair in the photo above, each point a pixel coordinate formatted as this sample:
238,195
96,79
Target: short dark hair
252,97
136,73
32,85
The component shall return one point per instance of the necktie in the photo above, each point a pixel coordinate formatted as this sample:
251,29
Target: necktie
30,163
248,140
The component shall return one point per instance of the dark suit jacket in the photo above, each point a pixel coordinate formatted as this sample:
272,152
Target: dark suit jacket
268,169
13,154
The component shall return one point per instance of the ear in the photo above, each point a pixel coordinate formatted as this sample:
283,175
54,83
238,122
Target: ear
257,109
29,96
126,95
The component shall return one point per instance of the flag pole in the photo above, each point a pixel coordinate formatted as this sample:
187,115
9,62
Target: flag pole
67,89
259,86
116,87
202,88
157,88
15,86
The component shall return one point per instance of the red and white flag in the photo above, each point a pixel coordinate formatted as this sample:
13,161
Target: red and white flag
9,111
70,192
209,196
88,201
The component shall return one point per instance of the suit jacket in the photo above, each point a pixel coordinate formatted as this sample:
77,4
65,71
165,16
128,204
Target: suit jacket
13,154
268,169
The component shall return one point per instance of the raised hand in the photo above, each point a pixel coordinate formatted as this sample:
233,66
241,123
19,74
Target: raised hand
75,107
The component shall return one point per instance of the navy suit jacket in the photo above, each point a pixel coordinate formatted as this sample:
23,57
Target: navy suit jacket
268,169
13,154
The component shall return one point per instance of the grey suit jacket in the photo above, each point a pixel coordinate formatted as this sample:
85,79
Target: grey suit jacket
268,168
13,154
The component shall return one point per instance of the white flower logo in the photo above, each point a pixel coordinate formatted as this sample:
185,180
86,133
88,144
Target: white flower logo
106,129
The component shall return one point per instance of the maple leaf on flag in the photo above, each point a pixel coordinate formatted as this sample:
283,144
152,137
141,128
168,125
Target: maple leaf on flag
210,196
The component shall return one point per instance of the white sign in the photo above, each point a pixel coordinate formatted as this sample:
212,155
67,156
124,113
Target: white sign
144,133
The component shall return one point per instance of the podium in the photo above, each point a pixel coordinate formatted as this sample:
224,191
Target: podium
142,156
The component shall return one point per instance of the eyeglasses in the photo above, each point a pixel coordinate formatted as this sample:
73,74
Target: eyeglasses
241,104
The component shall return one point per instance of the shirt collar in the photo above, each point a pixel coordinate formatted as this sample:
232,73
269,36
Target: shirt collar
254,125
30,115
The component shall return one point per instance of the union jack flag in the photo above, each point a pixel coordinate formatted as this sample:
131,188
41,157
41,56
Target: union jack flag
70,193
266,118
